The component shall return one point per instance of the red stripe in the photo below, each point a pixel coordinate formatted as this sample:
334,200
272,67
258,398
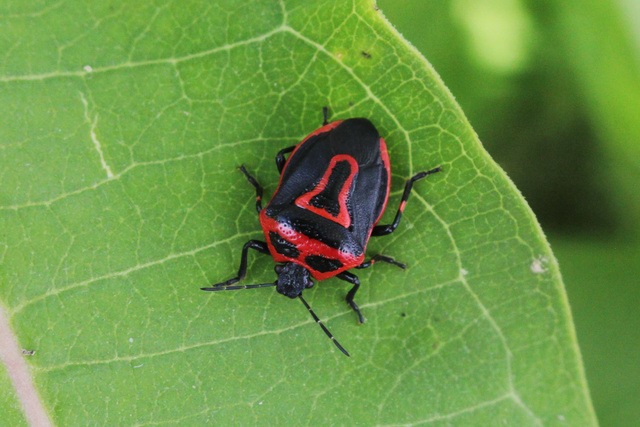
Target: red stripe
343,217
307,246
387,165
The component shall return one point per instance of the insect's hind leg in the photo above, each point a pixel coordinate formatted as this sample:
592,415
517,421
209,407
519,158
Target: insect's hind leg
258,187
352,278
242,271
383,230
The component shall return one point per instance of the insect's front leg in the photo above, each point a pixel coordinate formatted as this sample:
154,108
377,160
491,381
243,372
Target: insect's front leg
242,271
352,278
383,230
384,258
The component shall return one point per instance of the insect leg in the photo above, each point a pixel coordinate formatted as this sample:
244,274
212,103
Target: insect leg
352,278
242,271
384,258
383,230
325,115
280,160
258,187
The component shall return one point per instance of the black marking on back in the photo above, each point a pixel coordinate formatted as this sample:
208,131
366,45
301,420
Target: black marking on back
283,246
311,228
328,199
357,138
322,264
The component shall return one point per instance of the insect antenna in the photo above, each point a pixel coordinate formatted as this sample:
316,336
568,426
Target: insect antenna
324,328
235,288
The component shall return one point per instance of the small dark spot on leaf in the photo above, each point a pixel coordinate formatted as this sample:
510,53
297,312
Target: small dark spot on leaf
435,345
403,314
366,54
28,352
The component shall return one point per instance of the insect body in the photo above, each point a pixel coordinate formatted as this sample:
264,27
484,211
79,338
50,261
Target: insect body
333,190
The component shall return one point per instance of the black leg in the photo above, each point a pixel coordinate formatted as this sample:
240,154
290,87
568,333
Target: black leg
352,278
383,230
325,114
258,187
242,271
280,160
376,258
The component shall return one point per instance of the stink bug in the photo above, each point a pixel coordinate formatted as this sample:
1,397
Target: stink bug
333,190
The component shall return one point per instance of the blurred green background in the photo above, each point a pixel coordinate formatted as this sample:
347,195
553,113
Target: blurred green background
552,87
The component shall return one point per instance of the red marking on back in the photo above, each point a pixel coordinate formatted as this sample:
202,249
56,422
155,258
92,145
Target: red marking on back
387,165
323,129
343,217
307,246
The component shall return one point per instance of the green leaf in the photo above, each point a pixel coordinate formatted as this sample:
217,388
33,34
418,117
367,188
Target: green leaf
120,199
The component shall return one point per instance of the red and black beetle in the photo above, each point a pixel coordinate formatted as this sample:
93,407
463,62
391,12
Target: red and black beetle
333,190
